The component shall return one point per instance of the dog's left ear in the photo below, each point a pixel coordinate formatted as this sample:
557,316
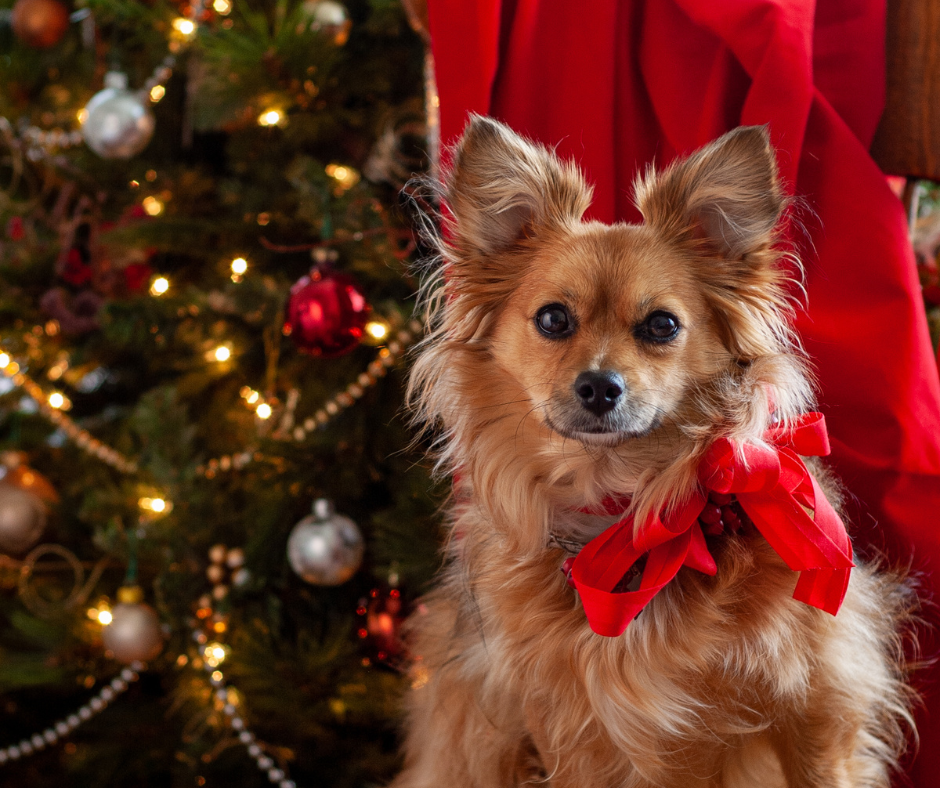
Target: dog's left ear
725,198
721,205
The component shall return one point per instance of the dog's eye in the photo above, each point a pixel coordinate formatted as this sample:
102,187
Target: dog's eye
554,321
659,327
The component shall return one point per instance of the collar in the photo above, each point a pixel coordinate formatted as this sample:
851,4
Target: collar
776,492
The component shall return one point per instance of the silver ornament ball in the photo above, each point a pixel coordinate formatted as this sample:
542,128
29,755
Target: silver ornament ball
133,634
22,519
329,17
118,122
325,548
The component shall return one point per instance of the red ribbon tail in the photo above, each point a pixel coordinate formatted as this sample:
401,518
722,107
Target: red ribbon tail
610,613
823,588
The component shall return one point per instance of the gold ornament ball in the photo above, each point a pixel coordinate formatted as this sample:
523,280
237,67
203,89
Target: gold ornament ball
22,519
40,23
134,633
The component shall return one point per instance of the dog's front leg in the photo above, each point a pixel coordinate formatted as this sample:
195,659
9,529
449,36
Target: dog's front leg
453,742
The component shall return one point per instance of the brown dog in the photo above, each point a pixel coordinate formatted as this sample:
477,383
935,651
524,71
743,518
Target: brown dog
572,362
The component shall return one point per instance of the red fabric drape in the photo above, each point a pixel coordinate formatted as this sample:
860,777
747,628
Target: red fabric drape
617,85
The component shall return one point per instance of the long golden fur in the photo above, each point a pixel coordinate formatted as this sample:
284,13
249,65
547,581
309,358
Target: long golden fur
721,681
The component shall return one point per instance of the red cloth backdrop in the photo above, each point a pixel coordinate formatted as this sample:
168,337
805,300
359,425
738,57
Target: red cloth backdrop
619,84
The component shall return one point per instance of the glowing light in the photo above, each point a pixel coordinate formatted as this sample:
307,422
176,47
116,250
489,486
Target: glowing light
345,177
158,505
12,368
152,205
239,265
253,397
4,359
223,7
104,617
377,330
337,171
214,654
264,411
271,117
159,286
183,26
81,116
56,399
157,92
217,675
222,353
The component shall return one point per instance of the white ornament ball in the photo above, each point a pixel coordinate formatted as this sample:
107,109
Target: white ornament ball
133,634
22,519
325,548
118,122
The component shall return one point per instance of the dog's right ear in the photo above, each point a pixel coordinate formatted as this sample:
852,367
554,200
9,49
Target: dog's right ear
503,188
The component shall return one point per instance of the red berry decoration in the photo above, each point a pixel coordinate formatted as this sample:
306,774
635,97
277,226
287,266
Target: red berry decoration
326,313
40,23
383,615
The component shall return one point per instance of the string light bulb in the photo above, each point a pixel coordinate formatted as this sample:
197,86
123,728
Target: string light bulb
271,117
222,353
345,177
185,27
239,265
264,411
155,505
59,401
4,360
152,206
159,286
377,330
223,7
250,395
214,654
157,92
104,617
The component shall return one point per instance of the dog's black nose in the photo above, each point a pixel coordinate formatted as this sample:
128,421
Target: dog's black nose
599,391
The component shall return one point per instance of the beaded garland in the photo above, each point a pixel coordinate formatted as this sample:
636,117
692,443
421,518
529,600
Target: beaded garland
64,727
377,369
213,654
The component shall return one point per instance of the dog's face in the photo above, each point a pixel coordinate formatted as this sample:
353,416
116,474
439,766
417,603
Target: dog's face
605,333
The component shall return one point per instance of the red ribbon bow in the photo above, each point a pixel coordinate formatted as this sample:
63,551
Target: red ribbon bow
773,487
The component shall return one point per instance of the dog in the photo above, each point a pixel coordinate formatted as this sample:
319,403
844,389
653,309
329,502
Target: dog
579,377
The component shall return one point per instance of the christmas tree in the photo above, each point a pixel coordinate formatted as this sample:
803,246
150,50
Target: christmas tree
211,517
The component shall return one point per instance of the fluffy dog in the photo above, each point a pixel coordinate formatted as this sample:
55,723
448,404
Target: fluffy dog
580,372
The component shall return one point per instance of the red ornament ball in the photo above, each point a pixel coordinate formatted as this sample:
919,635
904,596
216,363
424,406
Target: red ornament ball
326,313
40,23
